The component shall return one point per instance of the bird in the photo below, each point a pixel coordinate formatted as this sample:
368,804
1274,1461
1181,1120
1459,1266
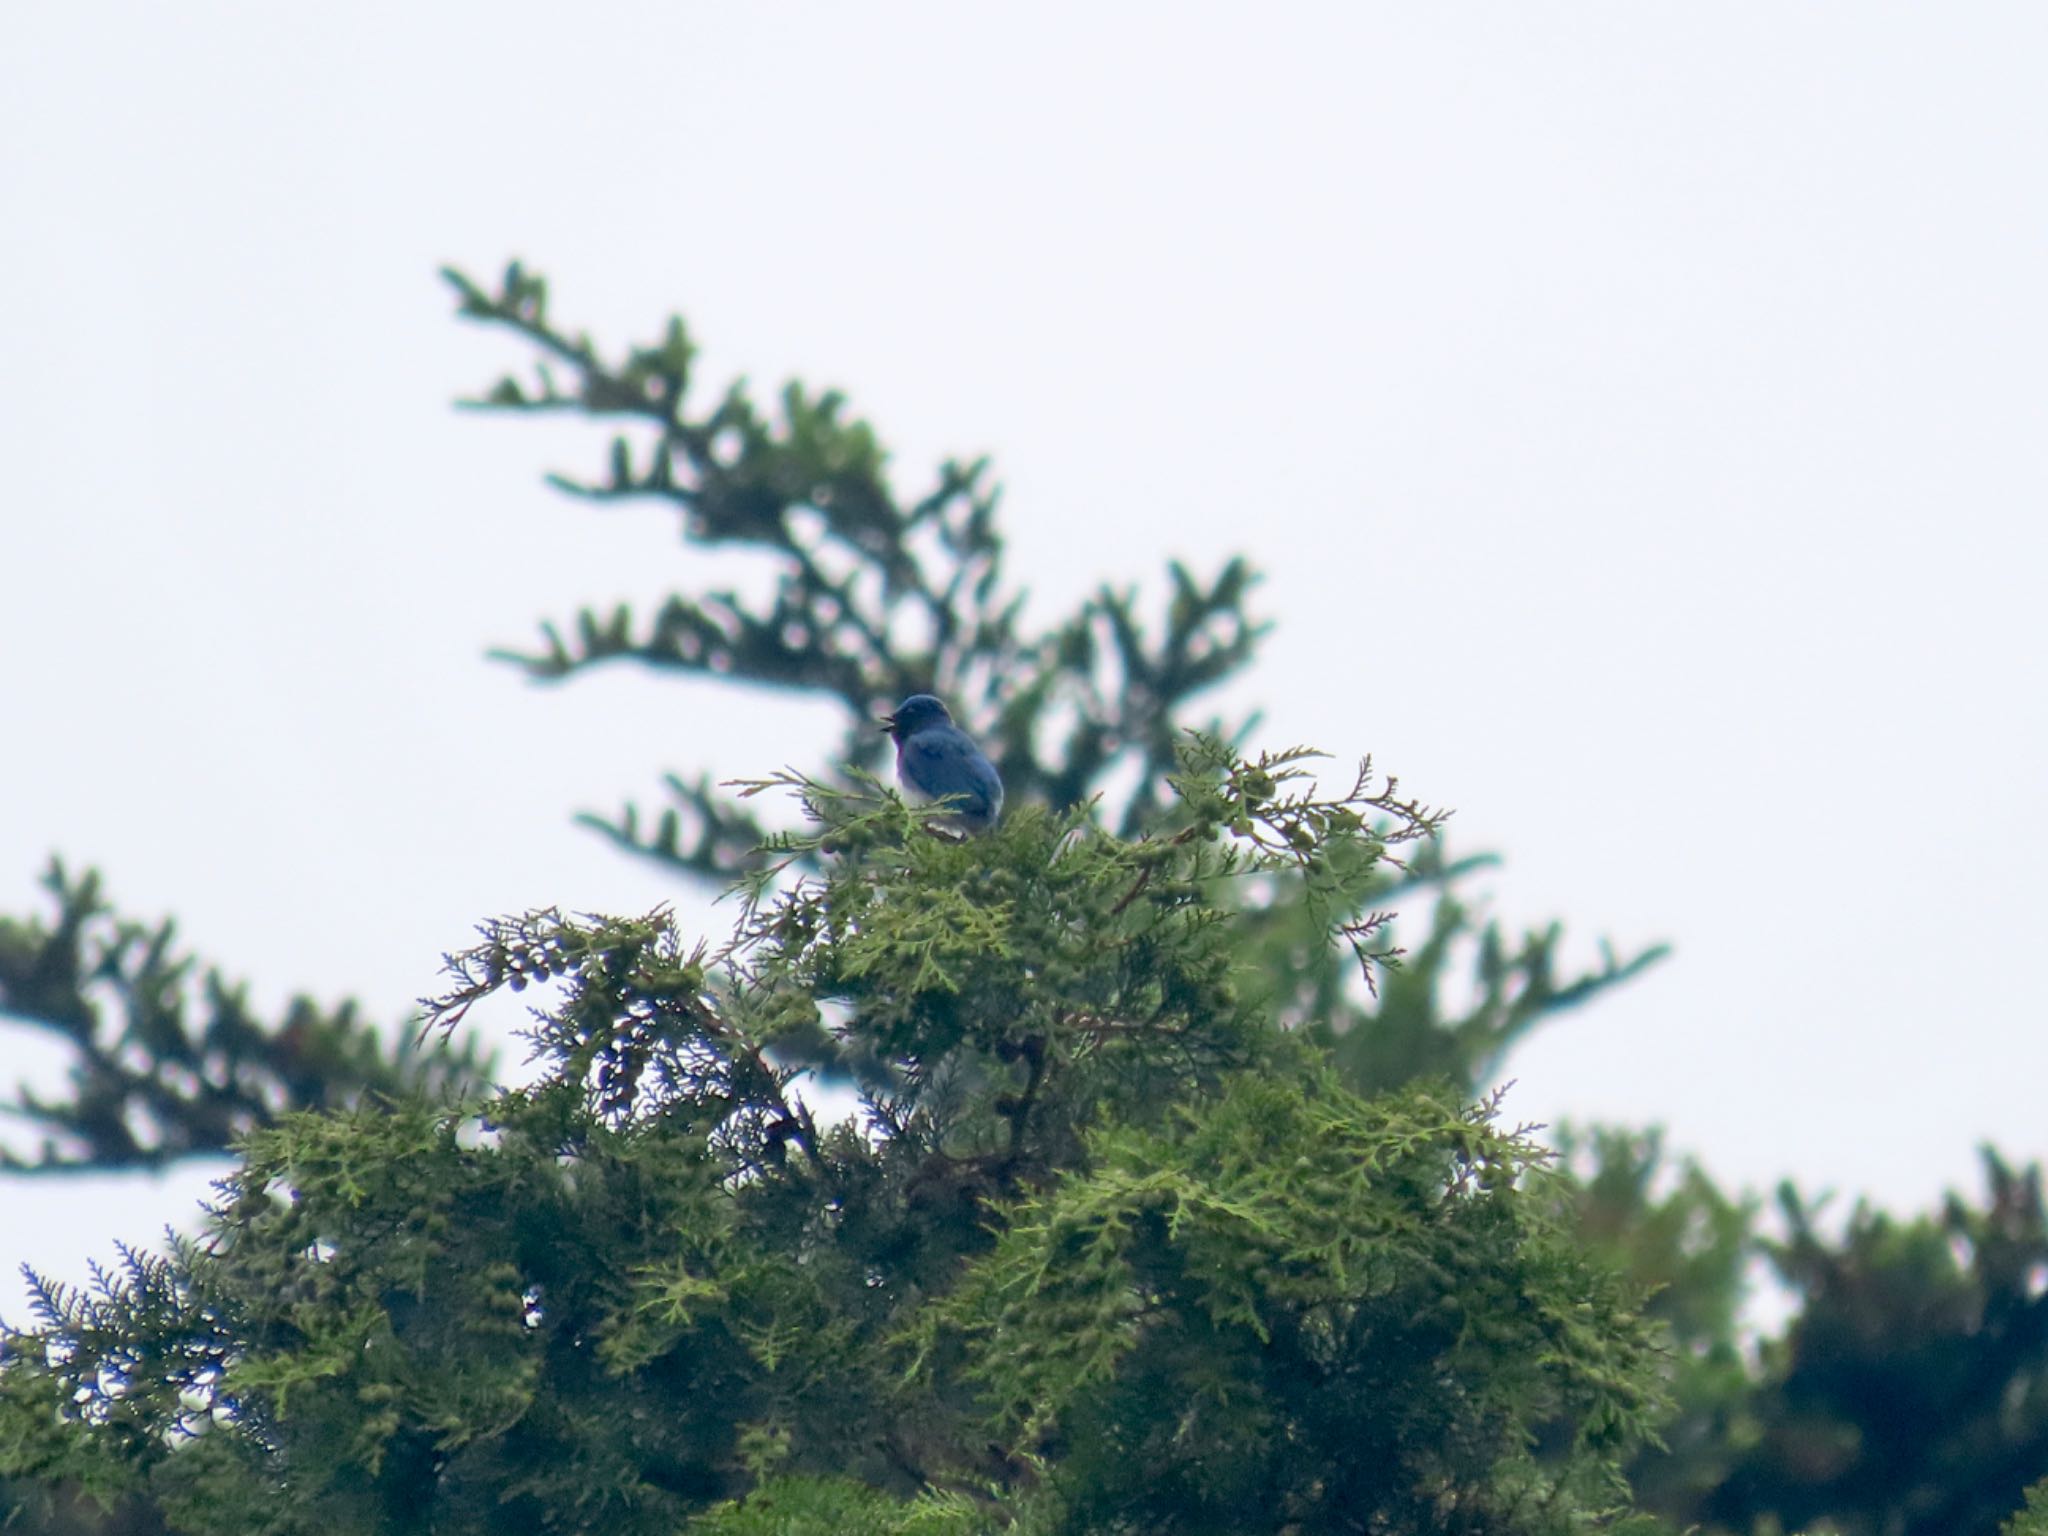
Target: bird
936,760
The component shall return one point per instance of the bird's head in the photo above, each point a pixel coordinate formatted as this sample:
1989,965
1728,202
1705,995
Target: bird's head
913,715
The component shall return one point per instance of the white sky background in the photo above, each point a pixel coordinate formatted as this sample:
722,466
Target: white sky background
1637,410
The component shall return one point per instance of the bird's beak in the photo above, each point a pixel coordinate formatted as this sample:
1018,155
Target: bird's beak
887,724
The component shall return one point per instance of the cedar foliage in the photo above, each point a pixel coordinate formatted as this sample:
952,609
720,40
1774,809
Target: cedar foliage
1102,1249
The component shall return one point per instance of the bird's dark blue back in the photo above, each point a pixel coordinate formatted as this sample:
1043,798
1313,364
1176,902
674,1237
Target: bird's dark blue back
936,760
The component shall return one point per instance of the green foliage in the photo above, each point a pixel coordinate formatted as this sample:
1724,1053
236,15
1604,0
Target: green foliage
1295,1308
1686,1245
167,1060
1905,1396
1910,1396
1102,1248
820,1506
2032,1520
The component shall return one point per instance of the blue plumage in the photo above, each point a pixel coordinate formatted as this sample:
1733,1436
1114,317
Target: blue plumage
936,760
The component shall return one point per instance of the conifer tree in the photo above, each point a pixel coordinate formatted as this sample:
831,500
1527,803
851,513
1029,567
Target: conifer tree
1120,1236
1909,1397
875,597
1104,1248
1166,1204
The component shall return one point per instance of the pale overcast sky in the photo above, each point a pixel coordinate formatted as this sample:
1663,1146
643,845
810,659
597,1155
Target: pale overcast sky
1638,411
